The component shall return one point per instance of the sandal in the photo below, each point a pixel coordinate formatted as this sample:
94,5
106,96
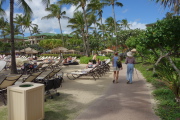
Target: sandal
113,81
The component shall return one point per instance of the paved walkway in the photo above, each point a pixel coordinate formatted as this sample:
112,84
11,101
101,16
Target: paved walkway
122,101
103,100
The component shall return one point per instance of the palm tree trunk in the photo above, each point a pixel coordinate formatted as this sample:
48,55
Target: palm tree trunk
115,25
30,31
84,41
87,40
102,29
13,58
61,30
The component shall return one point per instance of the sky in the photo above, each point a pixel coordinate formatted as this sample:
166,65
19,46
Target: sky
137,12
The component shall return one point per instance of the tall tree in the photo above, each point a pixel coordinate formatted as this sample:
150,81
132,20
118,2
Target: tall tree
124,23
82,4
113,3
3,24
173,4
28,12
95,6
55,12
35,30
77,23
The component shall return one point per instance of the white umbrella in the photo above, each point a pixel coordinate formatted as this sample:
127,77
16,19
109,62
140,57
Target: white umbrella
108,51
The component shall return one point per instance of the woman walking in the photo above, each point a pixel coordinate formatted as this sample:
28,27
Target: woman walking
116,68
130,61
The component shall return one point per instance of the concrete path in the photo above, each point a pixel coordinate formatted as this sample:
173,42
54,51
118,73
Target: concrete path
122,101
103,100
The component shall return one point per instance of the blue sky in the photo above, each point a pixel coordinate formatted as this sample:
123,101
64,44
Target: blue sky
137,12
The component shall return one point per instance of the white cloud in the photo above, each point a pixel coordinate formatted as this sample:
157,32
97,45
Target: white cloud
50,25
135,25
124,11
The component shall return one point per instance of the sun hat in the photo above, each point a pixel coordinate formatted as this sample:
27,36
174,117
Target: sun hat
129,54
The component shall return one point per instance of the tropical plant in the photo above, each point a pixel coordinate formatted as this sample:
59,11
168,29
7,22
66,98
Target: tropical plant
82,4
55,12
28,13
173,4
113,3
124,24
77,23
3,24
170,78
35,30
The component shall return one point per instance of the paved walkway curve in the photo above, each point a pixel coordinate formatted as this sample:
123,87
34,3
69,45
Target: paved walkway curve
122,101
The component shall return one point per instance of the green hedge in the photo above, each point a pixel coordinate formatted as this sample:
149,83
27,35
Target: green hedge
64,55
85,59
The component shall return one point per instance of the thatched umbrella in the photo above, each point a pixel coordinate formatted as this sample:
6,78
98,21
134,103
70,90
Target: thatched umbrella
107,51
29,51
133,50
71,51
59,50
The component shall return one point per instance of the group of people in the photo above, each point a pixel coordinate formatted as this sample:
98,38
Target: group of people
95,61
130,61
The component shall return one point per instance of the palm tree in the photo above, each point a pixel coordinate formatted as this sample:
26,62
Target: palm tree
82,4
125,24
173,4
3,24
28,12
55,12
96,7
28,24
2,12
77,23
112,3
20,21
35,30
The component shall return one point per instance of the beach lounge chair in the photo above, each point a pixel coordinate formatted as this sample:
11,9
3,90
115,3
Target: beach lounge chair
6,82
38,68
32,77
51,82
2,65
85,72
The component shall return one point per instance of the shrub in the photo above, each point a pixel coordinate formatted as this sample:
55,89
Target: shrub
85,59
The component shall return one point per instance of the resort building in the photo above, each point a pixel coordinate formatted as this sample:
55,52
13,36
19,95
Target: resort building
35,39
7,39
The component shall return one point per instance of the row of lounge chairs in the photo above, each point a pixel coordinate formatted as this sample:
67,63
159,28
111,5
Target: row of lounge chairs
34,77
95,72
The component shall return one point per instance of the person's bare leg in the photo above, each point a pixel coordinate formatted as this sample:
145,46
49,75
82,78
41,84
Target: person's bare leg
117,76
114,76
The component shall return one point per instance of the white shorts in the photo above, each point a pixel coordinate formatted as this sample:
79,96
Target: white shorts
116,69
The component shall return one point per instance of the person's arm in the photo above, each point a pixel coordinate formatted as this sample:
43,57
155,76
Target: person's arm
134,61
113,61
126,61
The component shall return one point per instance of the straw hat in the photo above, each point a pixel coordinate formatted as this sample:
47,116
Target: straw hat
129,54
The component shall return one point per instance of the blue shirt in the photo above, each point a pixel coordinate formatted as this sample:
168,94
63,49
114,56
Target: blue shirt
115,58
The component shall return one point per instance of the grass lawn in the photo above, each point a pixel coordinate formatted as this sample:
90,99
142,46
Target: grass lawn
59,108
166,108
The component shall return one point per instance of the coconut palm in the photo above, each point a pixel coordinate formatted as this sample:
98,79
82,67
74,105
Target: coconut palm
77,23
124,24
29,25
113,3
3,24
2,12
82,4
173,4
28,12
55,12
20,21
35,30
96,7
